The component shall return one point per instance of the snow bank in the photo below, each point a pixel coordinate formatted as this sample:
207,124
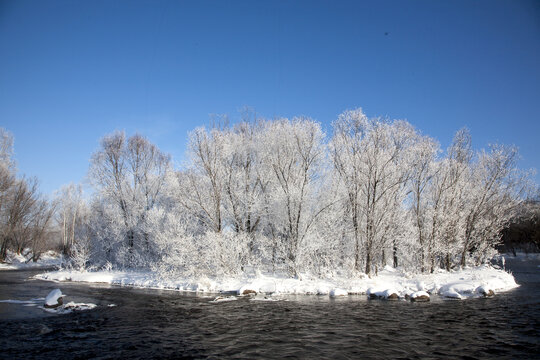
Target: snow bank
17,262
466,283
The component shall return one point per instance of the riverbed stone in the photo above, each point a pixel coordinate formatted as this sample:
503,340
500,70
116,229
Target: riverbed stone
421,298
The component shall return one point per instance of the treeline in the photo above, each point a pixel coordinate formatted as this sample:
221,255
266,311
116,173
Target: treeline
282,196
25,216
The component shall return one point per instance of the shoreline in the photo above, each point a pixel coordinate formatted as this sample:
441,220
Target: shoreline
389,284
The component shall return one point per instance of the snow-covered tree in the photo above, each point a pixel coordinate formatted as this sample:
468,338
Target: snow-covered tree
423,168
129,176
371,159
70,205
295,152
202,183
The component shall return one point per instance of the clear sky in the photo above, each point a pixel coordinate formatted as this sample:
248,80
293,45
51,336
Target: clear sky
73,71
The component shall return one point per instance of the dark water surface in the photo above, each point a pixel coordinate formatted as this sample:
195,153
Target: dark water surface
163,324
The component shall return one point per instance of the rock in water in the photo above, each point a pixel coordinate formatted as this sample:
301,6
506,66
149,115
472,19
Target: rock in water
486,292
249,292
54,299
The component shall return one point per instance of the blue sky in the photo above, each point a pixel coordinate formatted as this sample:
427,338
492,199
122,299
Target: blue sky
73,71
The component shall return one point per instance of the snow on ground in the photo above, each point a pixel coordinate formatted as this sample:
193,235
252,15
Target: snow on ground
466,283
16,262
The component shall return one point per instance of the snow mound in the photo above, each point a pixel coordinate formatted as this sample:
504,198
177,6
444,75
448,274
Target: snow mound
483,281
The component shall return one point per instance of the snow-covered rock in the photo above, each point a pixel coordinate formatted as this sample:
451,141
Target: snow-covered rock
485,291
54,299
338,292
388,294
70,307
420,296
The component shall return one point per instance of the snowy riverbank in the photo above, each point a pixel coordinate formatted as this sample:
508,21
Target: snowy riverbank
462,284
18,262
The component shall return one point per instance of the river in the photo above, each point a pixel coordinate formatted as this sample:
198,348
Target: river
166,324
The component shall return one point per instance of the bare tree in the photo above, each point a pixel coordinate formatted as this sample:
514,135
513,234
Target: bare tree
7,183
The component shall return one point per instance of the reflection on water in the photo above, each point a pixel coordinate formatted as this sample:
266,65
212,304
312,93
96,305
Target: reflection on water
164,324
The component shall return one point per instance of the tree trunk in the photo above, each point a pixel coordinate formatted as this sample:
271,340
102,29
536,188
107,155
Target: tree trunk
395,254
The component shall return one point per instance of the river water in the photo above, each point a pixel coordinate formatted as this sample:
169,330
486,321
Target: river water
166,324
